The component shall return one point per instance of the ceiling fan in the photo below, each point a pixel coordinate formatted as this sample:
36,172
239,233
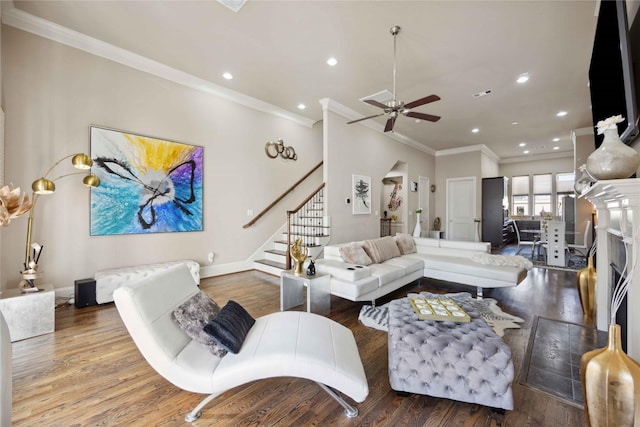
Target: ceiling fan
396,107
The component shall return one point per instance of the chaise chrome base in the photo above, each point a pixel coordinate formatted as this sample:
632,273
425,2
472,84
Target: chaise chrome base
349,410
197,411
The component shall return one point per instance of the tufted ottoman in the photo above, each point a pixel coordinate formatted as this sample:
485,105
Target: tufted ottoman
108,280
460,361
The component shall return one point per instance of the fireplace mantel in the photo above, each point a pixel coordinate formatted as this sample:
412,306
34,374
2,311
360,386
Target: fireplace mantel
617,203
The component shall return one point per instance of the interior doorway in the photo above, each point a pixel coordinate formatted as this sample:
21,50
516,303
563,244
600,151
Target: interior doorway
393,199
423,203
461,209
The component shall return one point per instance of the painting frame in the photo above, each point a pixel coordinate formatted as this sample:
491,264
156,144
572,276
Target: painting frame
361,192
147,185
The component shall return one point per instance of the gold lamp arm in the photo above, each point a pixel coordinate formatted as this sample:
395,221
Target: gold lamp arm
79,161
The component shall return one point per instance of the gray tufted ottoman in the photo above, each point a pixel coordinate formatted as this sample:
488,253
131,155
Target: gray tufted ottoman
460,361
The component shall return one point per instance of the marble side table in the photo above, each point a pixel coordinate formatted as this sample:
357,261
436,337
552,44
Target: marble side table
28,314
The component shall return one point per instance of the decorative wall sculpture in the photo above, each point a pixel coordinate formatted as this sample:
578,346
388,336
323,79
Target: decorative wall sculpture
148,185
273,149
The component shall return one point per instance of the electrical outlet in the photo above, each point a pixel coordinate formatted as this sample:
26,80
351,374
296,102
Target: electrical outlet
249,212
210,256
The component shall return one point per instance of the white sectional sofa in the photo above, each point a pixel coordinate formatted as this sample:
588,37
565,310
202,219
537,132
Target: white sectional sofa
365,278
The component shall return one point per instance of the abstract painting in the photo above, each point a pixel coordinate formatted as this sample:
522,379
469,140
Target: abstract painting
147,185
361,194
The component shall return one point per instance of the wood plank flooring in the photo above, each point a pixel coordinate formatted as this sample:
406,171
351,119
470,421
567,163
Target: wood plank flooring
89,373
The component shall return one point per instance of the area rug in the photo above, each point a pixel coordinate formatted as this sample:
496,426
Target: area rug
552,362
574,263
378,317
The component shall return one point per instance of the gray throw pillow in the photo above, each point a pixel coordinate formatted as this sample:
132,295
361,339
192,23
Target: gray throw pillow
354,254
382,249
193,315
405,244
230,327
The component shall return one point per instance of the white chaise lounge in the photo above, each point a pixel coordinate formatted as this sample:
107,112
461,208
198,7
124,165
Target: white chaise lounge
282,344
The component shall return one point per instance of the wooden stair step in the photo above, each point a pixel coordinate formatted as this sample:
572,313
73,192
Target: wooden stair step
275,264
284,242
276,252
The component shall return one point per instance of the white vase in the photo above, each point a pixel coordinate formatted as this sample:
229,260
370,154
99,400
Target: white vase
418,229
613,159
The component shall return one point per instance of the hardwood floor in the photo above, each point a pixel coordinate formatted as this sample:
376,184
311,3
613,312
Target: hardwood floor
89,373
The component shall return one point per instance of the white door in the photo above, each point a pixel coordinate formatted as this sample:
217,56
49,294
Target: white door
423,203
461,209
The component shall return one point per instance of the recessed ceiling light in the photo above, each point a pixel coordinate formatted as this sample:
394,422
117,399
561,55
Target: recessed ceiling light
515,123
332,61
227,76
526,151
561,113
556,148
556,139
523,78
418,120
522,144
475,130
301,106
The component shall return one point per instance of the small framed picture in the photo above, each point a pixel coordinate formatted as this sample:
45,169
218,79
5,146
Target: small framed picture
361,194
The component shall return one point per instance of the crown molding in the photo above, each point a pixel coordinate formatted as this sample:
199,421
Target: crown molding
469,149
332,105
548,156
57,33
583,131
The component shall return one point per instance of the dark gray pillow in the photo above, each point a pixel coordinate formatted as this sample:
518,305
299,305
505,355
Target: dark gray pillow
230,327
193,315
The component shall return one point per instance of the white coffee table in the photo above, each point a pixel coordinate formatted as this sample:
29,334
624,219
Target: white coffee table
292,290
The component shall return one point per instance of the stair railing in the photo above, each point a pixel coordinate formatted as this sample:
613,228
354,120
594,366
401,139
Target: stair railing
306,222
282,196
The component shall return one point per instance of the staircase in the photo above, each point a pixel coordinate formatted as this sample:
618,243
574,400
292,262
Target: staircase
306,222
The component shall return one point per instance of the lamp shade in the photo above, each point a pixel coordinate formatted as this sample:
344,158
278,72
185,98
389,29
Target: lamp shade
43,186
81,161
91,180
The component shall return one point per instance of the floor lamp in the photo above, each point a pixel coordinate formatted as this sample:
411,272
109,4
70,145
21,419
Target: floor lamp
43,186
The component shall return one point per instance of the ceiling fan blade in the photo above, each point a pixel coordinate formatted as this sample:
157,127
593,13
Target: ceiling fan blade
365,118
422,101
375,103
422,116
389,125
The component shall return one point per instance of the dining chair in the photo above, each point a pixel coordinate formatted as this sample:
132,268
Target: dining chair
522,243
583,249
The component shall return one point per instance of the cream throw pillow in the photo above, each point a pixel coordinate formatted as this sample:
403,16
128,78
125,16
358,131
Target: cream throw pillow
354,254
382,249
405,244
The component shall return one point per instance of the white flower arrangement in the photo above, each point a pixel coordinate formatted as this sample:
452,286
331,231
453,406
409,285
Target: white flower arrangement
609,123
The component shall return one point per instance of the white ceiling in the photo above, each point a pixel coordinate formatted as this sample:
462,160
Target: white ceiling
277,52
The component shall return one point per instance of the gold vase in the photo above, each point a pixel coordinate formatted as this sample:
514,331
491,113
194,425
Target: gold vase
610,384
586,282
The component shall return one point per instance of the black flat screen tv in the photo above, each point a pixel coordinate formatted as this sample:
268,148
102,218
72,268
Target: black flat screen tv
612,73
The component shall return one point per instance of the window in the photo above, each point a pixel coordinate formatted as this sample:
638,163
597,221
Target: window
542,193
520,195
530,194
565,197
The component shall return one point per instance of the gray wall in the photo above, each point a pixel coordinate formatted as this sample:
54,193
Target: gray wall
53,93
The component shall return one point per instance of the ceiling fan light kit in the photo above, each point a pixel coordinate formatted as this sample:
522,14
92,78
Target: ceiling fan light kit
395,107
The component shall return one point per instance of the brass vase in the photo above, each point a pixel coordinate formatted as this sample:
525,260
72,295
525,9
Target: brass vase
610,384
586,282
